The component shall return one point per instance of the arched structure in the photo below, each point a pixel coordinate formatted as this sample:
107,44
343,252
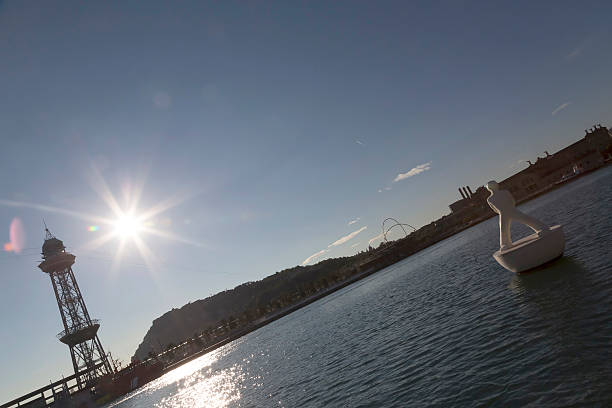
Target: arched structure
397,223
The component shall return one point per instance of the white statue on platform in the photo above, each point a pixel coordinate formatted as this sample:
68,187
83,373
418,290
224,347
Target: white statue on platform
502,202
532,251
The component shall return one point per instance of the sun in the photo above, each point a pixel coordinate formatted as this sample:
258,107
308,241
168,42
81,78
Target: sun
128,226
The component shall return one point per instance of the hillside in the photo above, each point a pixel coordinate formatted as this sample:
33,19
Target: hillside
244,303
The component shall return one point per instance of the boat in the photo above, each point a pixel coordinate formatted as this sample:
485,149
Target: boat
568,176
533,250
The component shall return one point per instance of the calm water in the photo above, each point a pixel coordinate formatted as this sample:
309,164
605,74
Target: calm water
446,327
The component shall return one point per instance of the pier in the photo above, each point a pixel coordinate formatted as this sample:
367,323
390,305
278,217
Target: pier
50,395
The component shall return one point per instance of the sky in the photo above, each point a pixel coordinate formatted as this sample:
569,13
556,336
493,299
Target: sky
257,136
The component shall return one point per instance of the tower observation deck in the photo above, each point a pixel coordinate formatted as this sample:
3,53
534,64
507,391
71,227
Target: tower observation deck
80,332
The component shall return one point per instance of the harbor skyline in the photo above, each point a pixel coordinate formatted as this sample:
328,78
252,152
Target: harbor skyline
262,136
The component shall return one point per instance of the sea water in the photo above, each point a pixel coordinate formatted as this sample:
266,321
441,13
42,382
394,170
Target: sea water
447,327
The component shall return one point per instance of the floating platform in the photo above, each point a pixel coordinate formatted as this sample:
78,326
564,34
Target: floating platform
532,251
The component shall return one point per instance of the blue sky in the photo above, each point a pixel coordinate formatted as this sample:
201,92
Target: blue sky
269,127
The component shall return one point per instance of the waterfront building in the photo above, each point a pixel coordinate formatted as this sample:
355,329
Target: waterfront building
586,154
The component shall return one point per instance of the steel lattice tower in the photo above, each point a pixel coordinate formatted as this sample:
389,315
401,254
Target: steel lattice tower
80,330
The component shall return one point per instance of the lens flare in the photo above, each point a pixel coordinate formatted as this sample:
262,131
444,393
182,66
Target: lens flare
93,228
17,237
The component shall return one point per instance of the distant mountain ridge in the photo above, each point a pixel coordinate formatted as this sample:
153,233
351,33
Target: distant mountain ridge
247,301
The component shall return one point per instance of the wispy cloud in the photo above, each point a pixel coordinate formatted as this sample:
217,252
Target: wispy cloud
314,256
413,172
339,241
356,220
575,52
359,142
379,236
348,237
48,208
584,45
354,245
560,108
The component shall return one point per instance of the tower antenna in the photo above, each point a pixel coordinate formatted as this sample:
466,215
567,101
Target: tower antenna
48,233
80,333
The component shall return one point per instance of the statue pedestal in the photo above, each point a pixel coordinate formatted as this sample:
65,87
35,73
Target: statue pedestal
533,250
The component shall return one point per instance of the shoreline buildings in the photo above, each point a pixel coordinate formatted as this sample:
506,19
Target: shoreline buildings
588,153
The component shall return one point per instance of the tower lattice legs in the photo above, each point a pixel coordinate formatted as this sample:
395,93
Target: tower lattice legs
89,360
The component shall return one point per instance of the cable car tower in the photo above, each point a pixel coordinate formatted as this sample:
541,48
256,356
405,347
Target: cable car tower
80,332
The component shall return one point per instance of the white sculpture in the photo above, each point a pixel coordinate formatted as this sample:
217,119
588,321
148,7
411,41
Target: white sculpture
544,245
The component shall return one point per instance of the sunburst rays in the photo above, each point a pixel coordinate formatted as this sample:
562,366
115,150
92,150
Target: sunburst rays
127,223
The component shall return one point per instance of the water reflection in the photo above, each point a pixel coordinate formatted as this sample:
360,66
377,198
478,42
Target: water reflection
555,303
544,278
541,293
206,389
189,369
199,383
563,308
